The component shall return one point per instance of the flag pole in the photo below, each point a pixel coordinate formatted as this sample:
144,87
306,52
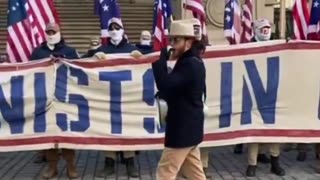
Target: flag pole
282,19
183,2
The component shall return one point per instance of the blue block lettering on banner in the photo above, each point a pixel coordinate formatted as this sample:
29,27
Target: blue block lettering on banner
149,123
13,112
115,79
266,98
40,94
83,123
226,95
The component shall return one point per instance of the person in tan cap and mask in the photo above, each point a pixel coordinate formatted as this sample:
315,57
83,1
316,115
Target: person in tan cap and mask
262,32
183,89
55,46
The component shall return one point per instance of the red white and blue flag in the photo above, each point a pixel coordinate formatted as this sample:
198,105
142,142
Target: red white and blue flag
27,20
232,21
300,14
314,23
162,15
247,19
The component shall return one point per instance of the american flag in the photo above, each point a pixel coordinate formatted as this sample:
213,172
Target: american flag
27,20
300,14
232,21
106,10
247,22
162,15
196,6
314,26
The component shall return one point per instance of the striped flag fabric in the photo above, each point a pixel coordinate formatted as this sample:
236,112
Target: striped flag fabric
232,21
197,8
247,19
27,20
300,14
314,23
162,14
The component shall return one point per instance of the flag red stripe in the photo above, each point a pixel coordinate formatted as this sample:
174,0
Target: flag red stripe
22,43
14,49
43,13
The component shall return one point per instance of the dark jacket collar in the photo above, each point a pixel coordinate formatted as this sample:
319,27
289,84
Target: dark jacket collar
60,45
189,53
123,42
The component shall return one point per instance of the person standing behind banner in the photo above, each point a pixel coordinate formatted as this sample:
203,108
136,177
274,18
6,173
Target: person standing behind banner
55,46
145,46
183,89
117,44
262,32
95,44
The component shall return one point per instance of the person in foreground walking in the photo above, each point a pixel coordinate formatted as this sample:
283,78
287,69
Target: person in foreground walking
183,90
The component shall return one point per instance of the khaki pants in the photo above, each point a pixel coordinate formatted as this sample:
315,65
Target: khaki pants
204,152
126,154
186,159
253,150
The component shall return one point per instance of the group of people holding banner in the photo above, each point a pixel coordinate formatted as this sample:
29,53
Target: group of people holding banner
183,89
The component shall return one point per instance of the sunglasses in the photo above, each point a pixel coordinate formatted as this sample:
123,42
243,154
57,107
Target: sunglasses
114,27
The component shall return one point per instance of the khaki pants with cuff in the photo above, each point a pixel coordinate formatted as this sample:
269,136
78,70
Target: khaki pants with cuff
126,154
253,150
186,159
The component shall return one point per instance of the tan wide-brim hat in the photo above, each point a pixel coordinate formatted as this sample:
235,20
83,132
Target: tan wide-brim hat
186,28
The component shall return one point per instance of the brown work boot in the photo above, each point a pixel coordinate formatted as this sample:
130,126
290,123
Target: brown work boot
40,157
69,157
52,158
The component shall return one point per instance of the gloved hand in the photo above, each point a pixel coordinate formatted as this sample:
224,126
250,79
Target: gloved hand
101,56
136,54
164,54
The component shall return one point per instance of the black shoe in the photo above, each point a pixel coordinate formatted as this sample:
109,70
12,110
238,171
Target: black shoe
238,149
251,171
302,156
108,169
40,159
263,158
205,170
131,169
276,168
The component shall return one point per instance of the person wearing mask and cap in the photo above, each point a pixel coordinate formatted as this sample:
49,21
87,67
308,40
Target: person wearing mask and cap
95,44
183,90
262,32
55,46
117,44
145,46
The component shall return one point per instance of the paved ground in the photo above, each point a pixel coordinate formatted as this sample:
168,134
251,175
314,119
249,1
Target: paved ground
223,165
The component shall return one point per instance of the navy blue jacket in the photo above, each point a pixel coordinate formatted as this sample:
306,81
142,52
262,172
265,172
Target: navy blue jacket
60,50
183,91
144,49
90,53
122,47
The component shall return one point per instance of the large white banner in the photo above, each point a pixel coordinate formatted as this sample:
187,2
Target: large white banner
258,92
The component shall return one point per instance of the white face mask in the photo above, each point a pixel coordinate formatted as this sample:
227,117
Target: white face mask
145,42
116,36
263,36
53,39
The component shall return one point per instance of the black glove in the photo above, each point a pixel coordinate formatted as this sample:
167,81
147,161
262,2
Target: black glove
164,54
